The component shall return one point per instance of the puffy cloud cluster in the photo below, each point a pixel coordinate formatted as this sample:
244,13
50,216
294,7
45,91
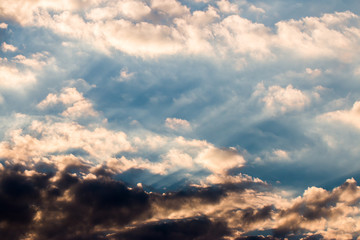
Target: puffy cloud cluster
49,138
77,105
20,71
14,78
158,28
8,47
281,100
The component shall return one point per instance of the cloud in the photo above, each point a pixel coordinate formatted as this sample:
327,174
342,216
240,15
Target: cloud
77,105
60,137
99,154
309,36
241,36
3,26
125,75
25,11
38,202
255,9
172,7
227,7
8,47
177,124
169,28
135,10
330,210
192,228
139,39
278,99
280,154
219,161
13,78
36,60
350,117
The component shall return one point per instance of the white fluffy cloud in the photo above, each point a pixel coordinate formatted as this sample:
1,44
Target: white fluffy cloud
3,26
278,99
36,61
170,7
131,9
219,161
309,37
240,35
350,117
13,78
168,27
25,11
8,47
77,105
227,7
47,138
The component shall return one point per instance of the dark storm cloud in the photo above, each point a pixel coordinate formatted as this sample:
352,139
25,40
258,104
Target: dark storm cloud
67,206
200,228
250,215
100,203
73,204
19,196
312,237
63,205
256,238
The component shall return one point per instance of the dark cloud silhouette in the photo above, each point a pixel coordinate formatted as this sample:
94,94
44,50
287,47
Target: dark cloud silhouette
200,228
257,238
19,196
67,205
251,215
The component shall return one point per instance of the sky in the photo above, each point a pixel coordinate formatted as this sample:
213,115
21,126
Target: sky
179,119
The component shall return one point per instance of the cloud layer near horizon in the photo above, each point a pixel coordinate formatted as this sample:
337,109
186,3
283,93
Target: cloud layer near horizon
179,119
87,203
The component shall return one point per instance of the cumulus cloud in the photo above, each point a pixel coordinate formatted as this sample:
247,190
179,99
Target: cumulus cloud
13,78
25,11
20,71
171,7
60,137
135,10
309,36
350,117
3,25
227,7
278,99
35,61
77,105
219,161
124,26
240,35
8,47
